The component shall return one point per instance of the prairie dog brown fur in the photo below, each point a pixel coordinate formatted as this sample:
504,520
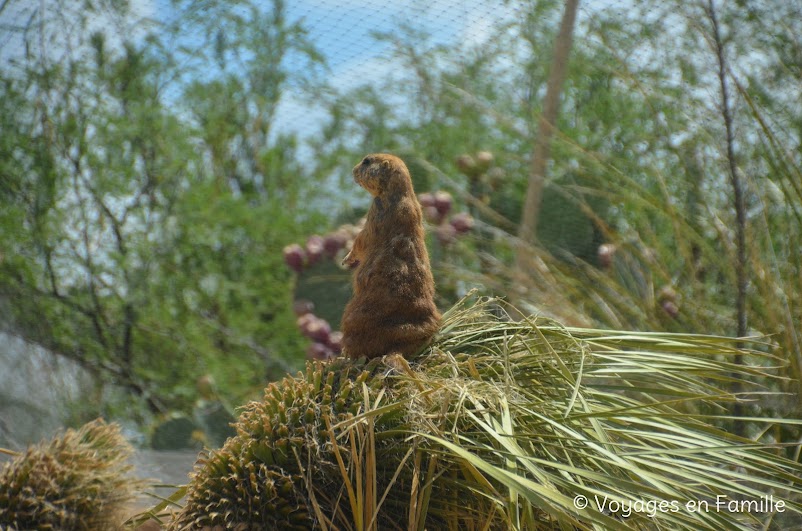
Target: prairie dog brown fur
392,310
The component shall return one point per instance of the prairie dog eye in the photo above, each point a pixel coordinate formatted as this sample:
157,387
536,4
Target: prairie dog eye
366,161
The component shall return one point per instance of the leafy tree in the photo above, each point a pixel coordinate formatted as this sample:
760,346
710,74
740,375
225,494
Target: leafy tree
145,205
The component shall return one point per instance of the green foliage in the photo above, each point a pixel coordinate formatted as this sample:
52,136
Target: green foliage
77,480
142,227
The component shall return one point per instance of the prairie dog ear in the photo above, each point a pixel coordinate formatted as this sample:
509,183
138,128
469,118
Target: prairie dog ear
386,163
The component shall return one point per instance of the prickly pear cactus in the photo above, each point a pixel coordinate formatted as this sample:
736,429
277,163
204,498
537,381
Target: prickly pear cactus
78,480
259,478
175,433
328,286
215,419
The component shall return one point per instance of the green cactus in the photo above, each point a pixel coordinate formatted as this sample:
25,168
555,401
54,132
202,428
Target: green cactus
176,432
215,418
301,455
258,477
328,286
76,481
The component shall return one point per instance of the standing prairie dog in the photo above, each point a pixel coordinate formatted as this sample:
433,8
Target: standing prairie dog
392,310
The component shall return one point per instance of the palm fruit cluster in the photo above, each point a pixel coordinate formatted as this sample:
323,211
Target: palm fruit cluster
78,480
284,447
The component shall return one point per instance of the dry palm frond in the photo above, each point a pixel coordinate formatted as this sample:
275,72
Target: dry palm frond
502,424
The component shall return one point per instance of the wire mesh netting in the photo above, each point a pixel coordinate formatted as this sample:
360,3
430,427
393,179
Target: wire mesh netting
160,158
176,202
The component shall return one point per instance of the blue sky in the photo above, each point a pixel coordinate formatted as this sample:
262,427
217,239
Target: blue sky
342,31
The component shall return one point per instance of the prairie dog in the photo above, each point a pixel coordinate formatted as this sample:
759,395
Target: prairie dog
392,310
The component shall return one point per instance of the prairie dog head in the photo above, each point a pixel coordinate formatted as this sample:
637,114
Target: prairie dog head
379,173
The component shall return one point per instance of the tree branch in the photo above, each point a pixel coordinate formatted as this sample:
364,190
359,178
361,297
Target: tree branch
738,193
527,230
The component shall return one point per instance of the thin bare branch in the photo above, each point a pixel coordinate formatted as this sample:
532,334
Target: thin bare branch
546,126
